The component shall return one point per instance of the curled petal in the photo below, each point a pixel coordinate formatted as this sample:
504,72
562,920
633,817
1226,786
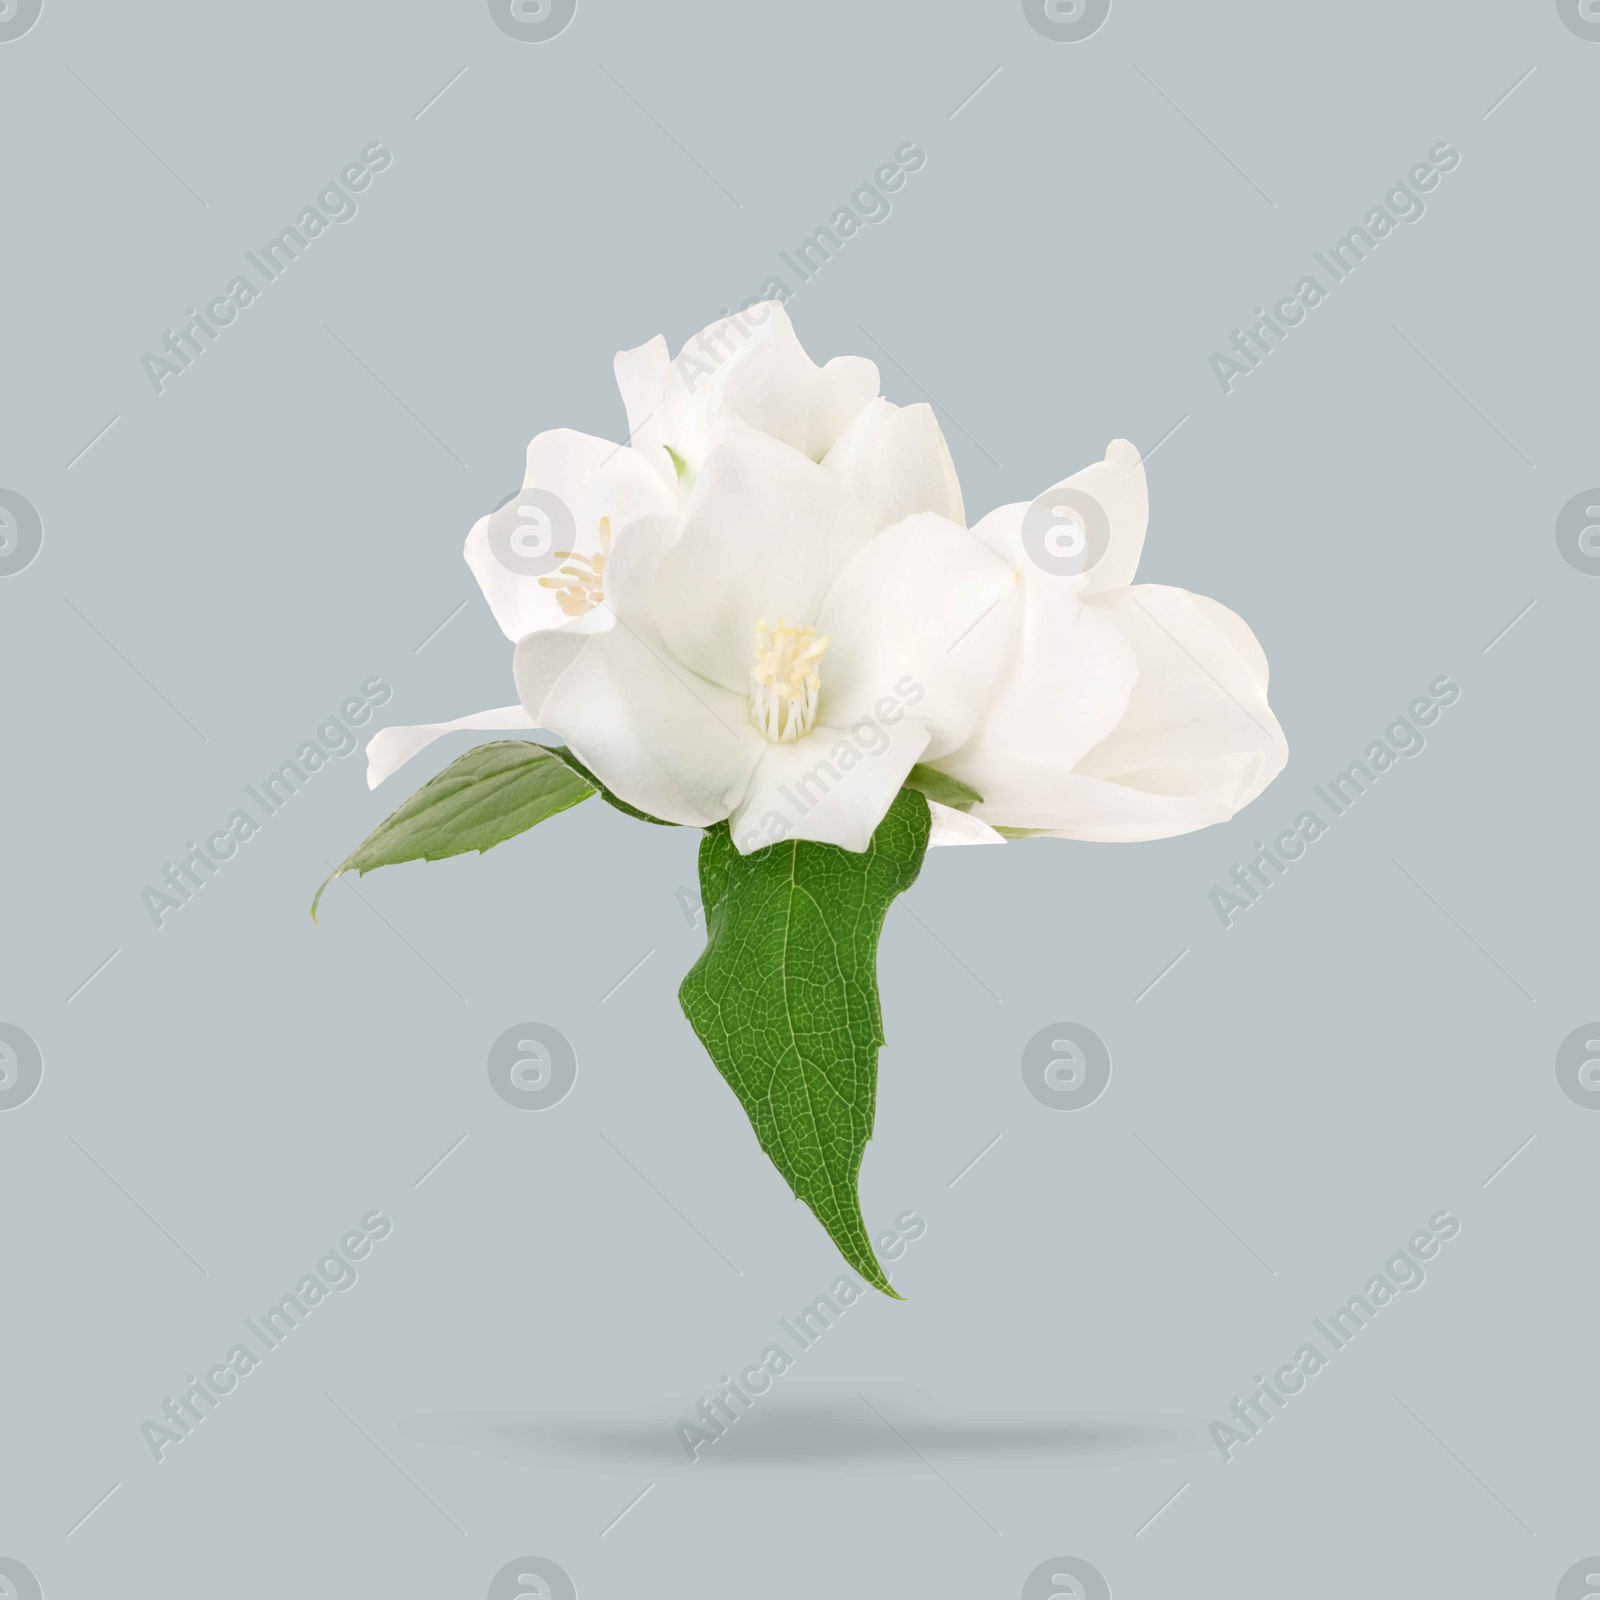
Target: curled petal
1197,744
1085,533
895,461
390,748
952,827
746,370
1064,688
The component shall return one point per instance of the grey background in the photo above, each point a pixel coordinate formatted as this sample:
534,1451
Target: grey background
1288,1103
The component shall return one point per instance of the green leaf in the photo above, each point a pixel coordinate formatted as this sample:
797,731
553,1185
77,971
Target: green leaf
946,790
562,753
785,999
492,793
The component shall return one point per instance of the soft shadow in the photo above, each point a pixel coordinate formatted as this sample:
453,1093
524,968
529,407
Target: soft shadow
800,1429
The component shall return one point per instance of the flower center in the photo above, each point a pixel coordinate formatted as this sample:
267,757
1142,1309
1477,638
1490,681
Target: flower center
580,585
784,679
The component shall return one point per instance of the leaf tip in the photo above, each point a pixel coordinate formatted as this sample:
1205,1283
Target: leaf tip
316,899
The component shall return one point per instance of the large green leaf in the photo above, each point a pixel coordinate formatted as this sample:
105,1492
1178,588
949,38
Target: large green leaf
492,793
785,999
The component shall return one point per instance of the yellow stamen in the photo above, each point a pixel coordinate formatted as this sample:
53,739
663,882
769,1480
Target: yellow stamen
580,587
785,677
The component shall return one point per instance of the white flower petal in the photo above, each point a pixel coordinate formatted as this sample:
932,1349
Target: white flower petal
895,461
1201,697
1116,530
764,534
641,375
952,827
1198,742
590,478
1064,688
390,748
540,658
832,787
629,576
920,620
1136,807
635,557
779,390
747,369
656,735
1119,484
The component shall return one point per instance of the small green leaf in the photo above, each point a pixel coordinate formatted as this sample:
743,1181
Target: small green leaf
679,465
785,999
492,793
1018,833
562,753
946,790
